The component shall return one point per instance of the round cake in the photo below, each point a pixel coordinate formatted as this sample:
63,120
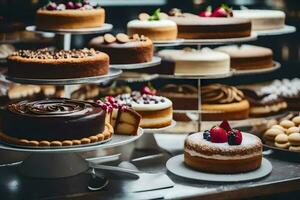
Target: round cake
156,111
156,27
262,19
246,57
54,122
123,49
70,15
47,64
196,62
223,102
220,151
194,27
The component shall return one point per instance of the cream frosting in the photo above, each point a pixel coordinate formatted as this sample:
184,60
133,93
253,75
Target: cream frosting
151,24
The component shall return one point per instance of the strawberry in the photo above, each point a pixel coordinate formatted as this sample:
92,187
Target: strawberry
110,99
222,11
147,90
218,135
225,125
206,13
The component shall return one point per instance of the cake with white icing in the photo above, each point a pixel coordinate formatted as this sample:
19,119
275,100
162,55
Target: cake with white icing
195,62
156,27
156,111
262,19
223,150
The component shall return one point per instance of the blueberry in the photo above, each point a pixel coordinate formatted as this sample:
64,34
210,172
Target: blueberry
208,138
231,138
206,134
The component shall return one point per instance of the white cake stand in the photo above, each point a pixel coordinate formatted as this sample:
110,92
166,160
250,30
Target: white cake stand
285,30
62,162
155,61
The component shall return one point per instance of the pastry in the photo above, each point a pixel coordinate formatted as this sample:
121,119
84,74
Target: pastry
262,19
281,141
286,124
223,102
247,57
156,111
194,27
55,122
194,62
156,27
264,105
47,64
125,50
223,151
70,15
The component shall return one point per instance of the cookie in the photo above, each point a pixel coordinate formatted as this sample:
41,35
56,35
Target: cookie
294,139
294,148
293,129
272,133
287,123
296,120
281,141
278,127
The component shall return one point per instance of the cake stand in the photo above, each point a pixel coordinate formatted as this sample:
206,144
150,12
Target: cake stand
62,162
155,61
285,30
168,43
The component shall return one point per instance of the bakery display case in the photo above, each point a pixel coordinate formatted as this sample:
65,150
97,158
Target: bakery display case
149,100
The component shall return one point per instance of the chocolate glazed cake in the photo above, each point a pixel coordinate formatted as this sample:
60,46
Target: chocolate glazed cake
54,122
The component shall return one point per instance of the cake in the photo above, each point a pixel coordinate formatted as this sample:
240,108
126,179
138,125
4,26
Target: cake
156,111
156,27
54,122
123,119
70,15
123,49
223,151
223,102
194,62
47,64
262,19
191,26
248,57
264,105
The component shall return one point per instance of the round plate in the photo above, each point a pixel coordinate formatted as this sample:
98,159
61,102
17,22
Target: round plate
137,77
154,130
155,61
213,76
168,43
285,30
176,166
102,29
253,36
116,140
285,151
113,73
276,66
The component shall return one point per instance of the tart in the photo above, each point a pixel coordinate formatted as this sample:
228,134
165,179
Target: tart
123,49
248,57
223,102
48,64
54,122
156,27
223,151
70,15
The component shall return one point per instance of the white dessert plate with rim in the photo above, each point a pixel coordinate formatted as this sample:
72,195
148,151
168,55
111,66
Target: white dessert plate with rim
155,61
168,43
101,29
154,130
285,30
176,166
276,65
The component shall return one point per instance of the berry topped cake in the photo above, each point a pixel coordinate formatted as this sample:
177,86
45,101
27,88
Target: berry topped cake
156,27
223,150
73,14
123,49
156,111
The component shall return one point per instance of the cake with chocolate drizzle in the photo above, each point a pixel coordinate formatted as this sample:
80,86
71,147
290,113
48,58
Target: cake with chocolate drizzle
48,64
123,49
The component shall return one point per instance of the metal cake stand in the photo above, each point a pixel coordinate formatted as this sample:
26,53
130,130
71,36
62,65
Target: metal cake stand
168,43
64,161
155,61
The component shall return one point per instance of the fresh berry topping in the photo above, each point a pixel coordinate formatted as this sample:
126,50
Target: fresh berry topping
208,138
110,99
61,7
206,134
206,13
78,5
235,137
222,11
51,6
86,2
70,5
148,91
231,138
225,125
218,135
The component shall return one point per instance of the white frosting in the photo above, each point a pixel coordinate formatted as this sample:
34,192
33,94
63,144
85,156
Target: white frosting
151,24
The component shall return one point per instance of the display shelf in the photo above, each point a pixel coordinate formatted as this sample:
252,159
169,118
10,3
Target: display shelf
285,30
155,61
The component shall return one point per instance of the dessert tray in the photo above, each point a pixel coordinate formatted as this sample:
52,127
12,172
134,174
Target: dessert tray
155,61
168,43
285,30
154,130
102,29
113,73
176,166
276,66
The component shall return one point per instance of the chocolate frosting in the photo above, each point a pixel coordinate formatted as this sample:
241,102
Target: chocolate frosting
221,94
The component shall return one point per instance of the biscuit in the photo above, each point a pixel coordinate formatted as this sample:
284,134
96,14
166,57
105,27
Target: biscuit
294,148
281,139
286,123
296,120
294,139
282,146
272,133
293,129
278,127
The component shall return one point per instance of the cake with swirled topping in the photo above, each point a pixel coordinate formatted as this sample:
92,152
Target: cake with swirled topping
54,122
48,64
223,102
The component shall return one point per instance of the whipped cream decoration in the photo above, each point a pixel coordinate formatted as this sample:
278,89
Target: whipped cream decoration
217,93
258,13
